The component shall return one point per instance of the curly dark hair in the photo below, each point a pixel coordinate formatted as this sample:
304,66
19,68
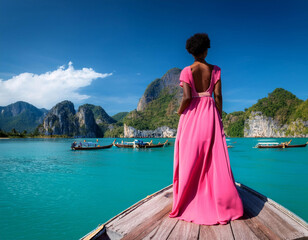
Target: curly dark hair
198,44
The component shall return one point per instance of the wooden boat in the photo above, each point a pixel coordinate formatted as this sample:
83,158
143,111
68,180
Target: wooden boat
151,145
278,145
148,219
94,147
136,145
124,145
282,146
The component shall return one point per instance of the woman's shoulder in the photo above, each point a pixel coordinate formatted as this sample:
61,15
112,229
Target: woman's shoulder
186,68
217,67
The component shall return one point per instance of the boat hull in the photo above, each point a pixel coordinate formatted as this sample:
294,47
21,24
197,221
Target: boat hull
92,148
286,146
124,146
151,146
147,145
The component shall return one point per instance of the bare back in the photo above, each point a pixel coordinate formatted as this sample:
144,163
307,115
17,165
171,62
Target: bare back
202,73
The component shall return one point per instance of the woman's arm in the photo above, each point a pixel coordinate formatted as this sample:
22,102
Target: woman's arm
186,98
218,97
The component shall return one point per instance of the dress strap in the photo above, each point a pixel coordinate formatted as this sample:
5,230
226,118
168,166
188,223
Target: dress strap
203,94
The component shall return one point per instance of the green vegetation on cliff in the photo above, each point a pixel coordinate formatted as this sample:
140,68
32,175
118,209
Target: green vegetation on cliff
119,116
234,124
99,114
280,105
21,116
159,112
300,112
116,129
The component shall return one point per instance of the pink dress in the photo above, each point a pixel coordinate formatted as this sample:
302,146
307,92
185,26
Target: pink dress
204,190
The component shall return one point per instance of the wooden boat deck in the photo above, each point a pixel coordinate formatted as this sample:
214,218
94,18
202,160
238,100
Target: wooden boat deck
148,219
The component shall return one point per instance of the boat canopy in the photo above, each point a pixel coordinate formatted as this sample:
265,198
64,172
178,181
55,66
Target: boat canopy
268,143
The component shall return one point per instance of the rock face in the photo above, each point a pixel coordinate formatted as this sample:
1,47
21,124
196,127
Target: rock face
21,116
101,117
161,132
258,125
169,82
62,119
156,109
87,123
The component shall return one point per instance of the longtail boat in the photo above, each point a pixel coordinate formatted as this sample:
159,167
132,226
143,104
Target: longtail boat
97,147
140,144
120,145
124,144
148,219
279,145
151,145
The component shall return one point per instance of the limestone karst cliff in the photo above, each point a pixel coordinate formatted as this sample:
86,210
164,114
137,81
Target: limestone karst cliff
160,132
280,114
259,125
169,82
158,105
62,119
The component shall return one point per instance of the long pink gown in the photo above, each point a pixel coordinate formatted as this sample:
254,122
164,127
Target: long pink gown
204,190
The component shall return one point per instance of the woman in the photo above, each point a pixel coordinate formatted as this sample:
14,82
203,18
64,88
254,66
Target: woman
204,190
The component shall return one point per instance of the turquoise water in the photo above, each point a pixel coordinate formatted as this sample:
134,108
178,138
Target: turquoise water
48,191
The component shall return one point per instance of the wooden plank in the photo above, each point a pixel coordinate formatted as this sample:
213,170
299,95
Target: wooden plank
143,229
221,232
137,204
163,230
241,231
144,212
260,230
256,207
296,222
185,230
251,228
282,211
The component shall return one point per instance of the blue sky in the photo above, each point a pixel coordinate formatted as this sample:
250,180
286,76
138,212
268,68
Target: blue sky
118,47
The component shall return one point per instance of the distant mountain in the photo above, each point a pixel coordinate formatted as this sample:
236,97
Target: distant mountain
21,116
88,121
158,105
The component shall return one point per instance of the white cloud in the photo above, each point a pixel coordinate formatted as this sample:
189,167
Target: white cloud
47,89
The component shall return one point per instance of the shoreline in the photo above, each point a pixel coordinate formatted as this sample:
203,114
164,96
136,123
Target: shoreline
59,136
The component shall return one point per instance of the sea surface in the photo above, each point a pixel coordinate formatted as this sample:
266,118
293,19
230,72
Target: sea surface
48,191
